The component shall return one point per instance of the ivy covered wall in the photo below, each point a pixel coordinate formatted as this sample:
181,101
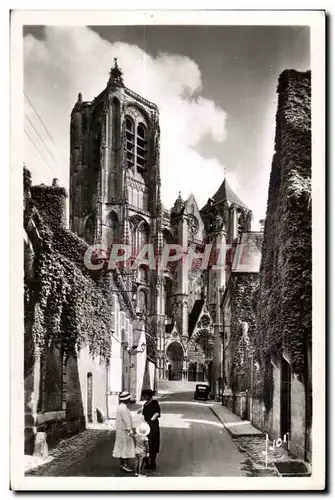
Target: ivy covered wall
284,308
239,347
65,303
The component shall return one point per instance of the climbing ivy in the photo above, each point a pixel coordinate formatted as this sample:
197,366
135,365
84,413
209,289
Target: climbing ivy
70,305
242,310
283,302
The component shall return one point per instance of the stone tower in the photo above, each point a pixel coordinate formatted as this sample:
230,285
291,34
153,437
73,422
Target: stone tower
225,217
115,182
115,198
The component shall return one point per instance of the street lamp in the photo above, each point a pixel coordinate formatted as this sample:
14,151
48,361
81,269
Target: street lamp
135,351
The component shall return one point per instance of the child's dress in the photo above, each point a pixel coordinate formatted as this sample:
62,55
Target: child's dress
141,445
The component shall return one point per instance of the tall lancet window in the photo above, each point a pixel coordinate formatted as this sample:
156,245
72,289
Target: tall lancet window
168,297
142,302
240,223
90,229
130,195
116,124
142,235
113,229
141,148
130,141
139,237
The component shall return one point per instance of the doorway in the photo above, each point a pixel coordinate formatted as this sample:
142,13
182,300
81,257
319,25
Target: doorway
192,372
175,354
90,397
285,398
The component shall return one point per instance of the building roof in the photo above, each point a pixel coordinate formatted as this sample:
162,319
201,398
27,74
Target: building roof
195,314
169,328
225,193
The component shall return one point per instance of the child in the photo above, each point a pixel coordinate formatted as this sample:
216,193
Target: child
141,446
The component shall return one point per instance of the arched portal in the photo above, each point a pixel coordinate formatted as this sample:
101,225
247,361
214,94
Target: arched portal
201,372
192,372
175,357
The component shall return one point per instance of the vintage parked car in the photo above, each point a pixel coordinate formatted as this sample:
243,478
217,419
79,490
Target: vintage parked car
202,391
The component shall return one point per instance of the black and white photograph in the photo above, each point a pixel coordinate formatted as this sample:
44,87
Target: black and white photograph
169,326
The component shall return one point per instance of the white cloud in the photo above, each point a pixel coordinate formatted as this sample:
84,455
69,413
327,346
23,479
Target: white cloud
72,60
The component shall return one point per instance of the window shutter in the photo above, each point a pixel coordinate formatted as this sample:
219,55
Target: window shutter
123,317
113,320
117,320
127,331
130,335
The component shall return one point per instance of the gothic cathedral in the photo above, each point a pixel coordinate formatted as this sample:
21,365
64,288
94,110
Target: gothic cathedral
115,198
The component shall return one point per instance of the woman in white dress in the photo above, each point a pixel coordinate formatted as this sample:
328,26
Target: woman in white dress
124,447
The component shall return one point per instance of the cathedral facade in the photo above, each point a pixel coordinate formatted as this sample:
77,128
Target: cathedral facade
115,197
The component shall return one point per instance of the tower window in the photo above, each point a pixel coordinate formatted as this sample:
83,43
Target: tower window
140,237
240,224
130,141
142,301
113,228
141,148
116,124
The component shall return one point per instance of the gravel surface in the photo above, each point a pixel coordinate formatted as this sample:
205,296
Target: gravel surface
254,447
67,452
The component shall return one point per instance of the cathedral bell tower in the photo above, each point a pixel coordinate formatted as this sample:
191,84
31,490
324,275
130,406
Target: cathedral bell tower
115,179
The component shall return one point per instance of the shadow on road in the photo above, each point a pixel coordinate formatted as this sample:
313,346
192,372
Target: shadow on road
193,443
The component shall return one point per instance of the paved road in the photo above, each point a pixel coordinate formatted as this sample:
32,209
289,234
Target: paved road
193,443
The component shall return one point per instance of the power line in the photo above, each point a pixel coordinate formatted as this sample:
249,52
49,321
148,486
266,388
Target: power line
47,131
41,138
37,149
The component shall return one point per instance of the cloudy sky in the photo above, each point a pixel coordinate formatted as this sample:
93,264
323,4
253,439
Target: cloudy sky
215,87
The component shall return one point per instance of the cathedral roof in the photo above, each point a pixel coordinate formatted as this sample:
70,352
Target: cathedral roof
169,328
225,193
194,315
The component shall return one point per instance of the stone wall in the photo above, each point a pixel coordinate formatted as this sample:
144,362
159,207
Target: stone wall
298,416
275,424
237,403
284,311
63,420
258,413
238,345
98,369
67,306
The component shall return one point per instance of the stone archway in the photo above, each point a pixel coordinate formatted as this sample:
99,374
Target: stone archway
175,357
192,372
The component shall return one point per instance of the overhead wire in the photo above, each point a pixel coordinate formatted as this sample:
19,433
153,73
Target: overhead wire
52,169
40,119
38,150
40,137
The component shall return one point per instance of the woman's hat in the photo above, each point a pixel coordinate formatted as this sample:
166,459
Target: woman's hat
143,429
124,396
148,392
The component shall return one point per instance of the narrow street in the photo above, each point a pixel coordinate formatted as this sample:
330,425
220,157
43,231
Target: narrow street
193,443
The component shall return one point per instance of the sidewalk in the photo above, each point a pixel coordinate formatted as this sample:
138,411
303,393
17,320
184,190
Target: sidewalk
233,423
